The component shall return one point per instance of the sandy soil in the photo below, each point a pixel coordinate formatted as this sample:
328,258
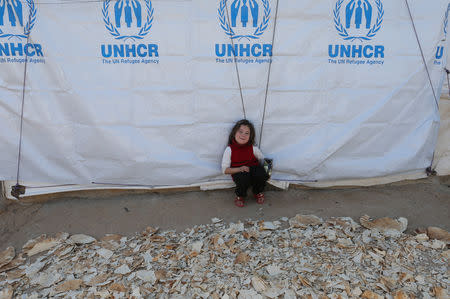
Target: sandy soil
423,202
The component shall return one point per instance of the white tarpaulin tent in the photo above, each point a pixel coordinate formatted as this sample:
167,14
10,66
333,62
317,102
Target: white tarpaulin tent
441,161
144,92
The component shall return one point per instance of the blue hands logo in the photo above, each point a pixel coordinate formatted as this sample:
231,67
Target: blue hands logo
244,17
118,8
350,8
236,6
441,46
358,19
126,14
11,15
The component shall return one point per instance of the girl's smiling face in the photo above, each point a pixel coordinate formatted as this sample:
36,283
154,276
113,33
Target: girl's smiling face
242,135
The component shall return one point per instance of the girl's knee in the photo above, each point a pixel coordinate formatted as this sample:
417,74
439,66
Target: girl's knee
243,178
260,173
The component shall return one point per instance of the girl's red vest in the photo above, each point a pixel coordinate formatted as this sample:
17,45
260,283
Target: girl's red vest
242,155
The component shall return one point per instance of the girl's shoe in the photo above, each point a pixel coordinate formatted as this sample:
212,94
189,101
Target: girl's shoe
239,202
260,198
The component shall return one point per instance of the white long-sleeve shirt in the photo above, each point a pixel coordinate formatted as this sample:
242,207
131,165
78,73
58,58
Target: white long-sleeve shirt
226,159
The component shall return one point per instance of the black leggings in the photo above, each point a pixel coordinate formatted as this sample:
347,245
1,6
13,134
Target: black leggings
256,178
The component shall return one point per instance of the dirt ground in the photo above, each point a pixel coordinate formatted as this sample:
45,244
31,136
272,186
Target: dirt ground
423,202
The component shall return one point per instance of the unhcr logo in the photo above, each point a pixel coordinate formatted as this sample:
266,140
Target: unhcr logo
16,22
440,48
357,21
244,22
128,21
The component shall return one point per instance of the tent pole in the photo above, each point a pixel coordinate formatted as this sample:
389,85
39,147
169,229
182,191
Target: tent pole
18,189
268,75
429,171
423,56
235,65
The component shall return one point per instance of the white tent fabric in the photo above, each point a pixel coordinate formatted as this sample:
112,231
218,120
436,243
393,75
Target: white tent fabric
441,161
162,118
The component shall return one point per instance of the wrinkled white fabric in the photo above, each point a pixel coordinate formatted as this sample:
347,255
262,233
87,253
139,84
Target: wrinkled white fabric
167,123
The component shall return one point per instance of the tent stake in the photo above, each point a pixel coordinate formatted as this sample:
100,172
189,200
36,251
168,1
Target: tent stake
17,190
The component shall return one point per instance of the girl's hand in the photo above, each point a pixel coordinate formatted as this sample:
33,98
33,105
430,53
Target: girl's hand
234,170
244,169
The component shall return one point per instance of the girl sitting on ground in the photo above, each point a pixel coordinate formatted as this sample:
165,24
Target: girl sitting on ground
244,162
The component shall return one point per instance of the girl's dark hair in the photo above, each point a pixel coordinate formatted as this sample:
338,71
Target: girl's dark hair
243,122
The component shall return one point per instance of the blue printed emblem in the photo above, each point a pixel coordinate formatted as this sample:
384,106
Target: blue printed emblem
13,22
242,18
441,46
128,19
359,19
446,20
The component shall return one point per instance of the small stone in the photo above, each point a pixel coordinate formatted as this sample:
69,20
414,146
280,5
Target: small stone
441,293
197,246
273,292
70,285
147,276
98,279
267,225
18,261
46,279
242,258
216,220
388,282
422,237
81,239
104,253
356,292
420,279
237,227
7,256
438,234
124,269
30,243
42,246
102,294
446,254
384,224
149,231
289,294
392,233
161,274
135,293
376,257
346,242
117,287
112,238
15,274
249,294
401,295
304,220
273,270
371,295
438,244
330,235
366,237
259,284
62,236
6,293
